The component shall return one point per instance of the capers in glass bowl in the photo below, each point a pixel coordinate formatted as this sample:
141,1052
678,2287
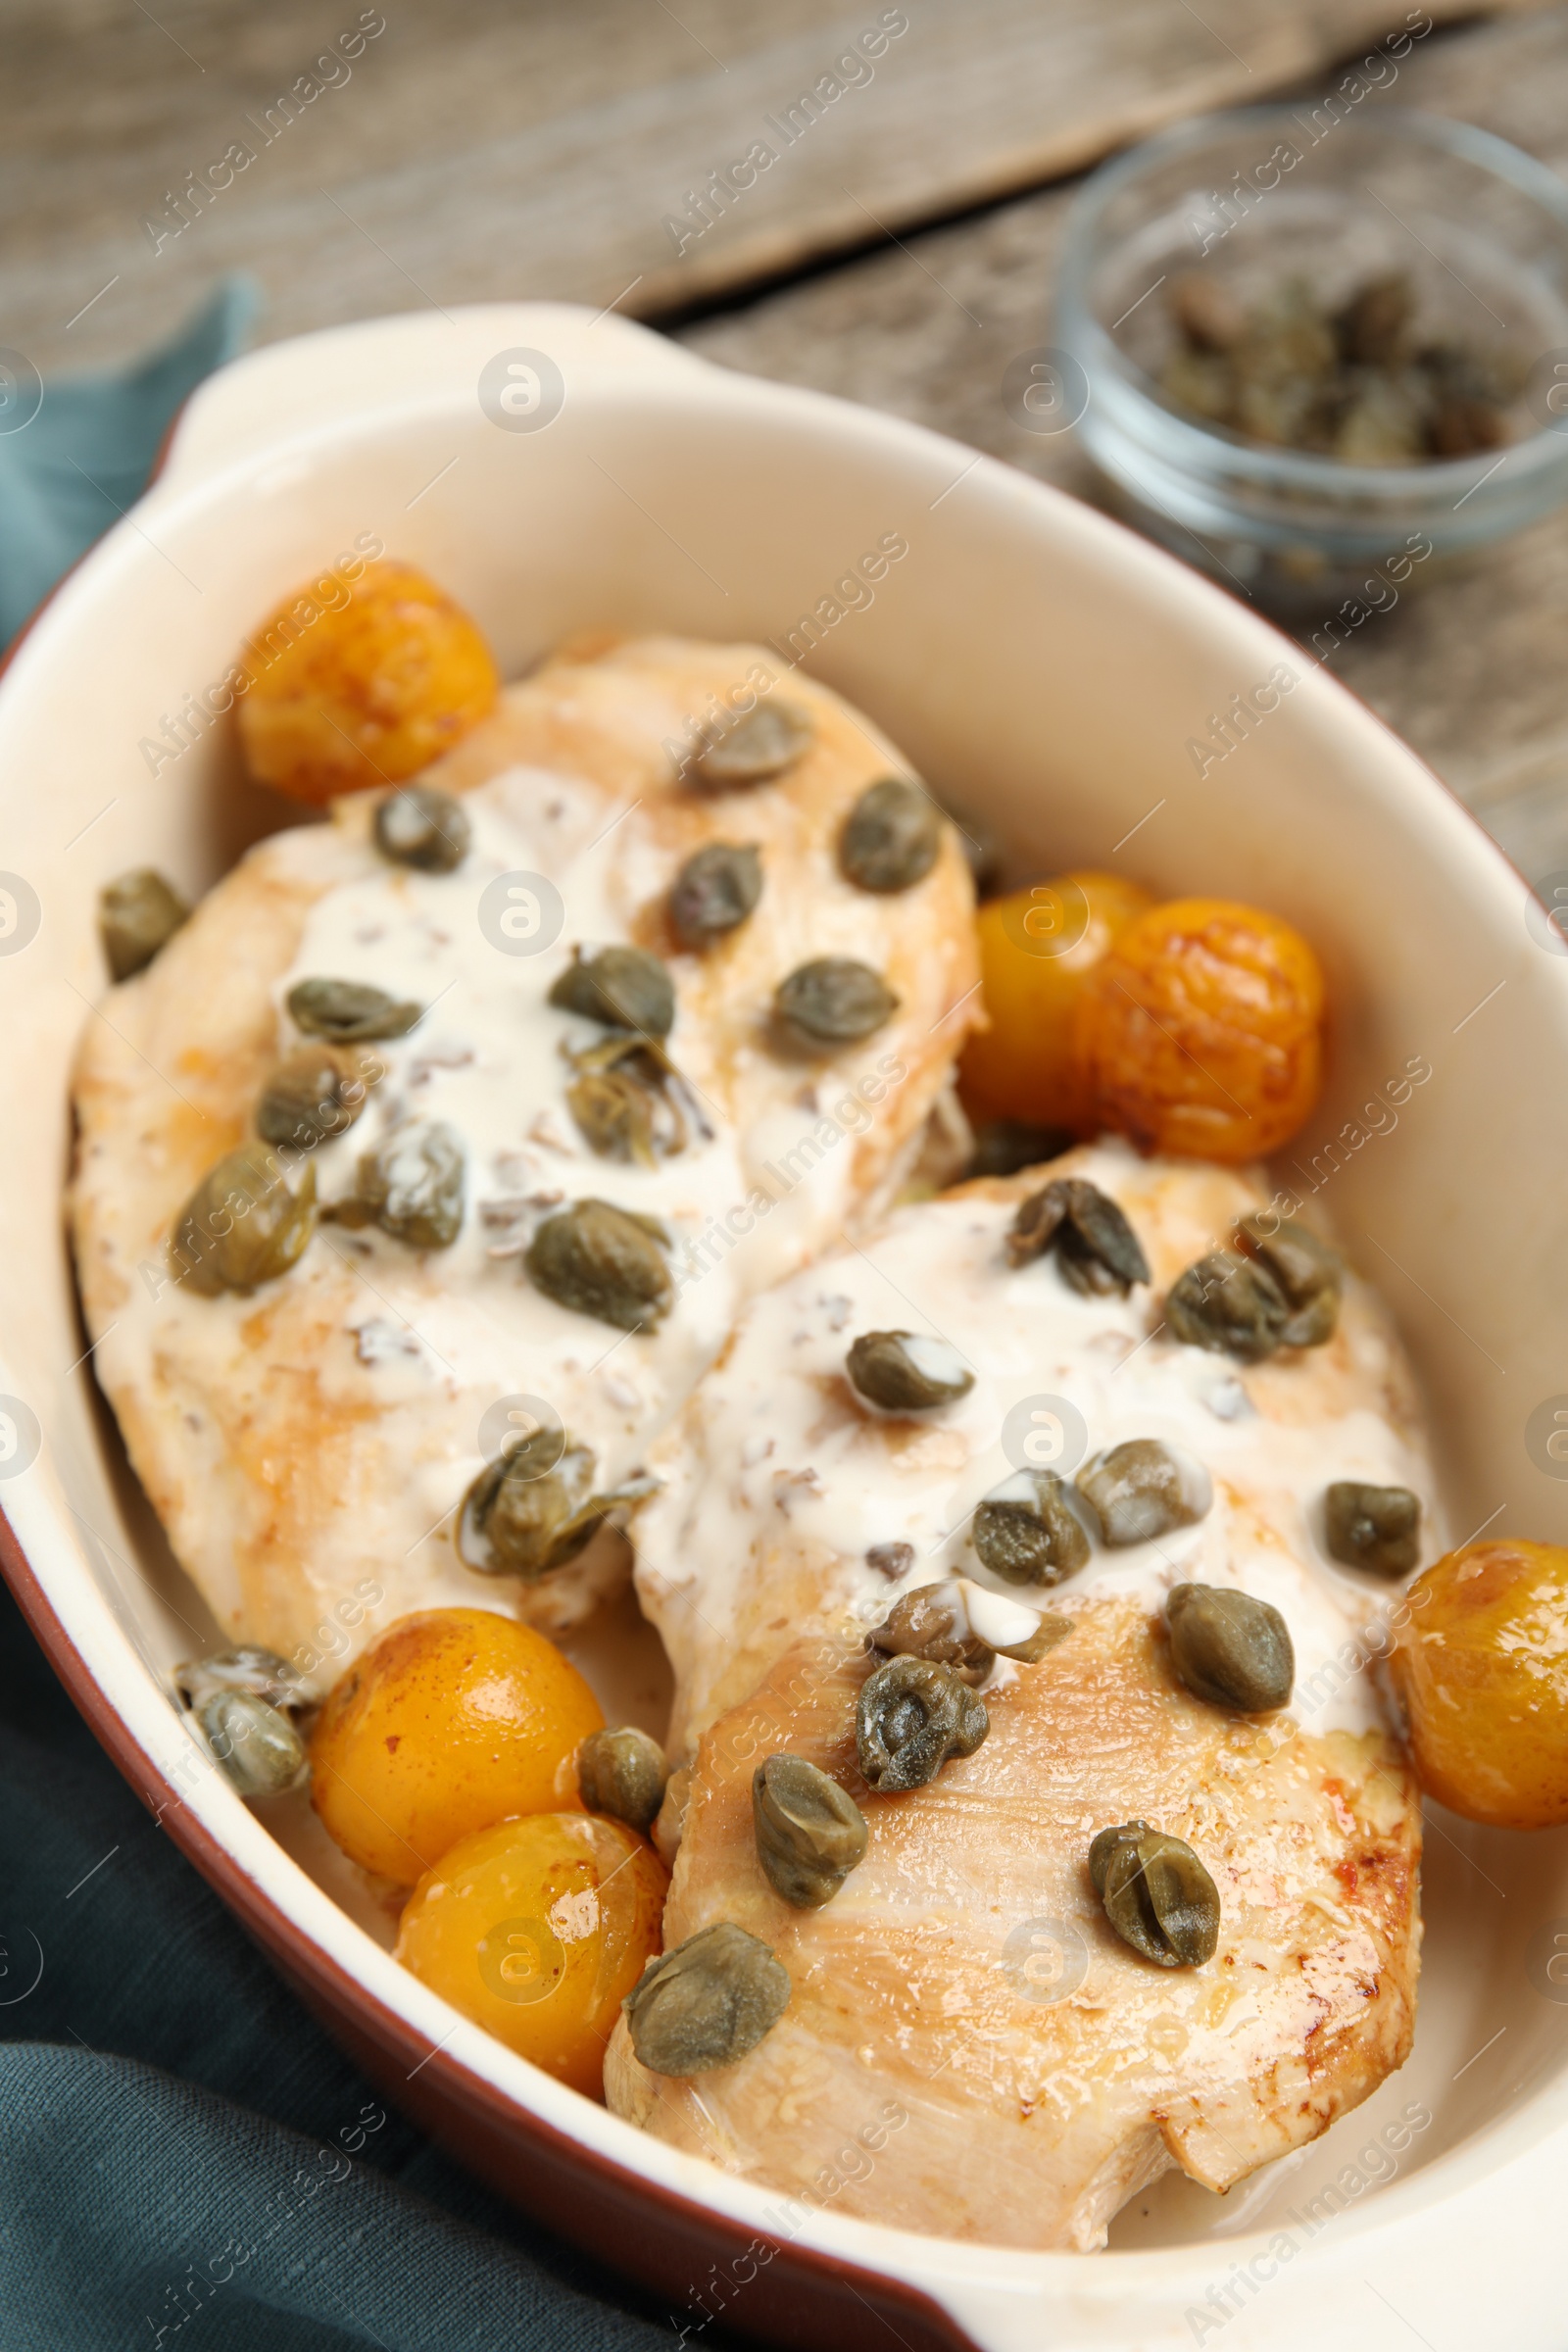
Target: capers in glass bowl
411,1184
602,1261
1230,1648
622,1773
911,1715
907,1372
535,1507
1306,1271
417,825
631,1102
244,1701
714,891
625,988
348,1012
316,1092
1156,1894
1372,1527
833,1000
1096,1250
760,745
1228,1304
1026,1531
1144,1489
708,2002
810,1832
246,1222
891,837
138,913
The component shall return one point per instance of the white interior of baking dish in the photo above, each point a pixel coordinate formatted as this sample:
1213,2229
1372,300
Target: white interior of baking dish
1047,669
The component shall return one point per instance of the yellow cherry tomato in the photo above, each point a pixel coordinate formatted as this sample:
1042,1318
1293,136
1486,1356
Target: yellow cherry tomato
1037,948
537,1929
1481,1666
361,684
451,1720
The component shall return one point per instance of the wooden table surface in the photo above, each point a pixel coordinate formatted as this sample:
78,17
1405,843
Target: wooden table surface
522,149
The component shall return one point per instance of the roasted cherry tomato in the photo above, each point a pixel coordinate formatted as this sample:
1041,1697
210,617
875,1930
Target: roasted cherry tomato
1037,948
1201,1031
1481,1666
537,1929
367,691
451,1720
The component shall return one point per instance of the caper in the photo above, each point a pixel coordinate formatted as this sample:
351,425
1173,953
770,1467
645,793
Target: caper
1144,1488
1026,1531
892,1560
1372,1527
1157,1894
602,1261
419,827
1096,1250
257,1745
626,988
708,2002
810,1832
762,744
248,1667
348,1012
410,1186
1304,1268
1229,1648
631,1102
833,1002
317,1092
535,1507
1230,1305
714,891
138,913
244,1224
622,1773
891,837
933,1622
906,1372
911,1715
1002,1147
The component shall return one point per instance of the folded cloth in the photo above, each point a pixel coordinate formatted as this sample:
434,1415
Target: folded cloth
74,463
270,2200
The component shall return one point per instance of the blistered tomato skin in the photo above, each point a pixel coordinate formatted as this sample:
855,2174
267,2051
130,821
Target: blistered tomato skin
451,1720
366,692
1037,948
1481,1666
1200,1032
537,1929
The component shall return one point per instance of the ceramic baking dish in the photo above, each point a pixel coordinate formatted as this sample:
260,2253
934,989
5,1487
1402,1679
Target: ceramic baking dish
1096,702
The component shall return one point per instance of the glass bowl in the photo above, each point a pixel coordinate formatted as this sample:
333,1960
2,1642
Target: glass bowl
1252,200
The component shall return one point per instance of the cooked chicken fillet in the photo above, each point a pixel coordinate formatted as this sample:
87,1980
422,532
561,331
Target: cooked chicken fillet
969,2049
310,1441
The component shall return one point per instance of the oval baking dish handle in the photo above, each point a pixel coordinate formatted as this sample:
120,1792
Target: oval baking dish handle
268,396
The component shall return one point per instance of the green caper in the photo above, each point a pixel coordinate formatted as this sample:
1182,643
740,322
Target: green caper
417,825
622,1773
138,913
625,988
1096,1250
833,1002
602,1261
244,1224
317,1092
912,1714
631,1102
1229,1648
248,1667
410,1186
1372,1527
1157,1894
762,744
1226,1302
348,1012
708,2002
933,1622
1309,1274
810,1832
1144,1488
906,1372
255,1743
891,837
714,891
1026,1531
535,1507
